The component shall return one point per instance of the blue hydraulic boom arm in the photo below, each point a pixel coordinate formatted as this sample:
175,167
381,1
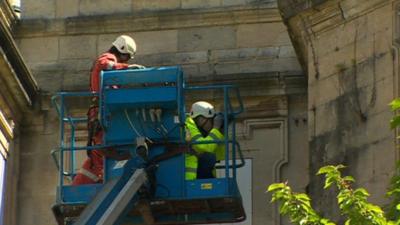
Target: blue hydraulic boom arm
145,117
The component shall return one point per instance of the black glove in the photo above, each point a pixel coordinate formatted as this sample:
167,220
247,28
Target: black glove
218,121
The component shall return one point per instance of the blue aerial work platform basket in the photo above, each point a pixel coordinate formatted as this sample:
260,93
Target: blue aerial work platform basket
145,116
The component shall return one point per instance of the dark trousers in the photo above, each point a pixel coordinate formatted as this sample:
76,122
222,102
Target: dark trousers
206,164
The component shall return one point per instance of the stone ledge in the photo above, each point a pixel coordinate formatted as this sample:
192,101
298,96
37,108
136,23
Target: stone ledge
327,15
7,15
148,21
334,13
15,74
343,12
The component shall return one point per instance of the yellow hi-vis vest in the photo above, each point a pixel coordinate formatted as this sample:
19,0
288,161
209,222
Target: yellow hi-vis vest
193,134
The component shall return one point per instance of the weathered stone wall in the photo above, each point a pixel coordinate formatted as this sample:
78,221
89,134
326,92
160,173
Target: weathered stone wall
17,94
37,178
51,9
242,42
207,44
352,77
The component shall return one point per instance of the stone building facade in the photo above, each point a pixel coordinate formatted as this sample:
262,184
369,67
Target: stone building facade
330,108
349,50
18,93
243,42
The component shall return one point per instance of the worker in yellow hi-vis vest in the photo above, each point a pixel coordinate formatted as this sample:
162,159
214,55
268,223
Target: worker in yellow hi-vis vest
203,125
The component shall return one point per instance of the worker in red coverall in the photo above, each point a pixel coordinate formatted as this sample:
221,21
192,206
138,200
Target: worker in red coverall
116,58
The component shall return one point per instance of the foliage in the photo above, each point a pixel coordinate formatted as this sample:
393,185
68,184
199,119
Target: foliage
394,194
394,188
352,202
296,206
395,106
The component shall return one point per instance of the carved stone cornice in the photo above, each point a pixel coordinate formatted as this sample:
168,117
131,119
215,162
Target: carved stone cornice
328,14
334,13
305,23
173,19
7,16
18,86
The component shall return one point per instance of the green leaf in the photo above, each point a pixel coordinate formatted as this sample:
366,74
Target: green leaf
340,166
284,208
275,186
330,169
303,196
326,169
326,222
395,122
395,104
361,192
329,181
392,192
398,207
374,208
349,179
341,198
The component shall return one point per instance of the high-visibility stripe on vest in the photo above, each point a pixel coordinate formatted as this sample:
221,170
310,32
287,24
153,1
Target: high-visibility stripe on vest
220,152
90,175
191,161
190,167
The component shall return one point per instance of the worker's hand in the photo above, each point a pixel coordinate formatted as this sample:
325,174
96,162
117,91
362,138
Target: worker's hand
136,66
218,121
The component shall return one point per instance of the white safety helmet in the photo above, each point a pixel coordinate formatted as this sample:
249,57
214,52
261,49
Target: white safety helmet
202,108
125,45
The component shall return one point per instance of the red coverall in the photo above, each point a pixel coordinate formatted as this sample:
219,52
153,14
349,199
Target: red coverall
92,168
